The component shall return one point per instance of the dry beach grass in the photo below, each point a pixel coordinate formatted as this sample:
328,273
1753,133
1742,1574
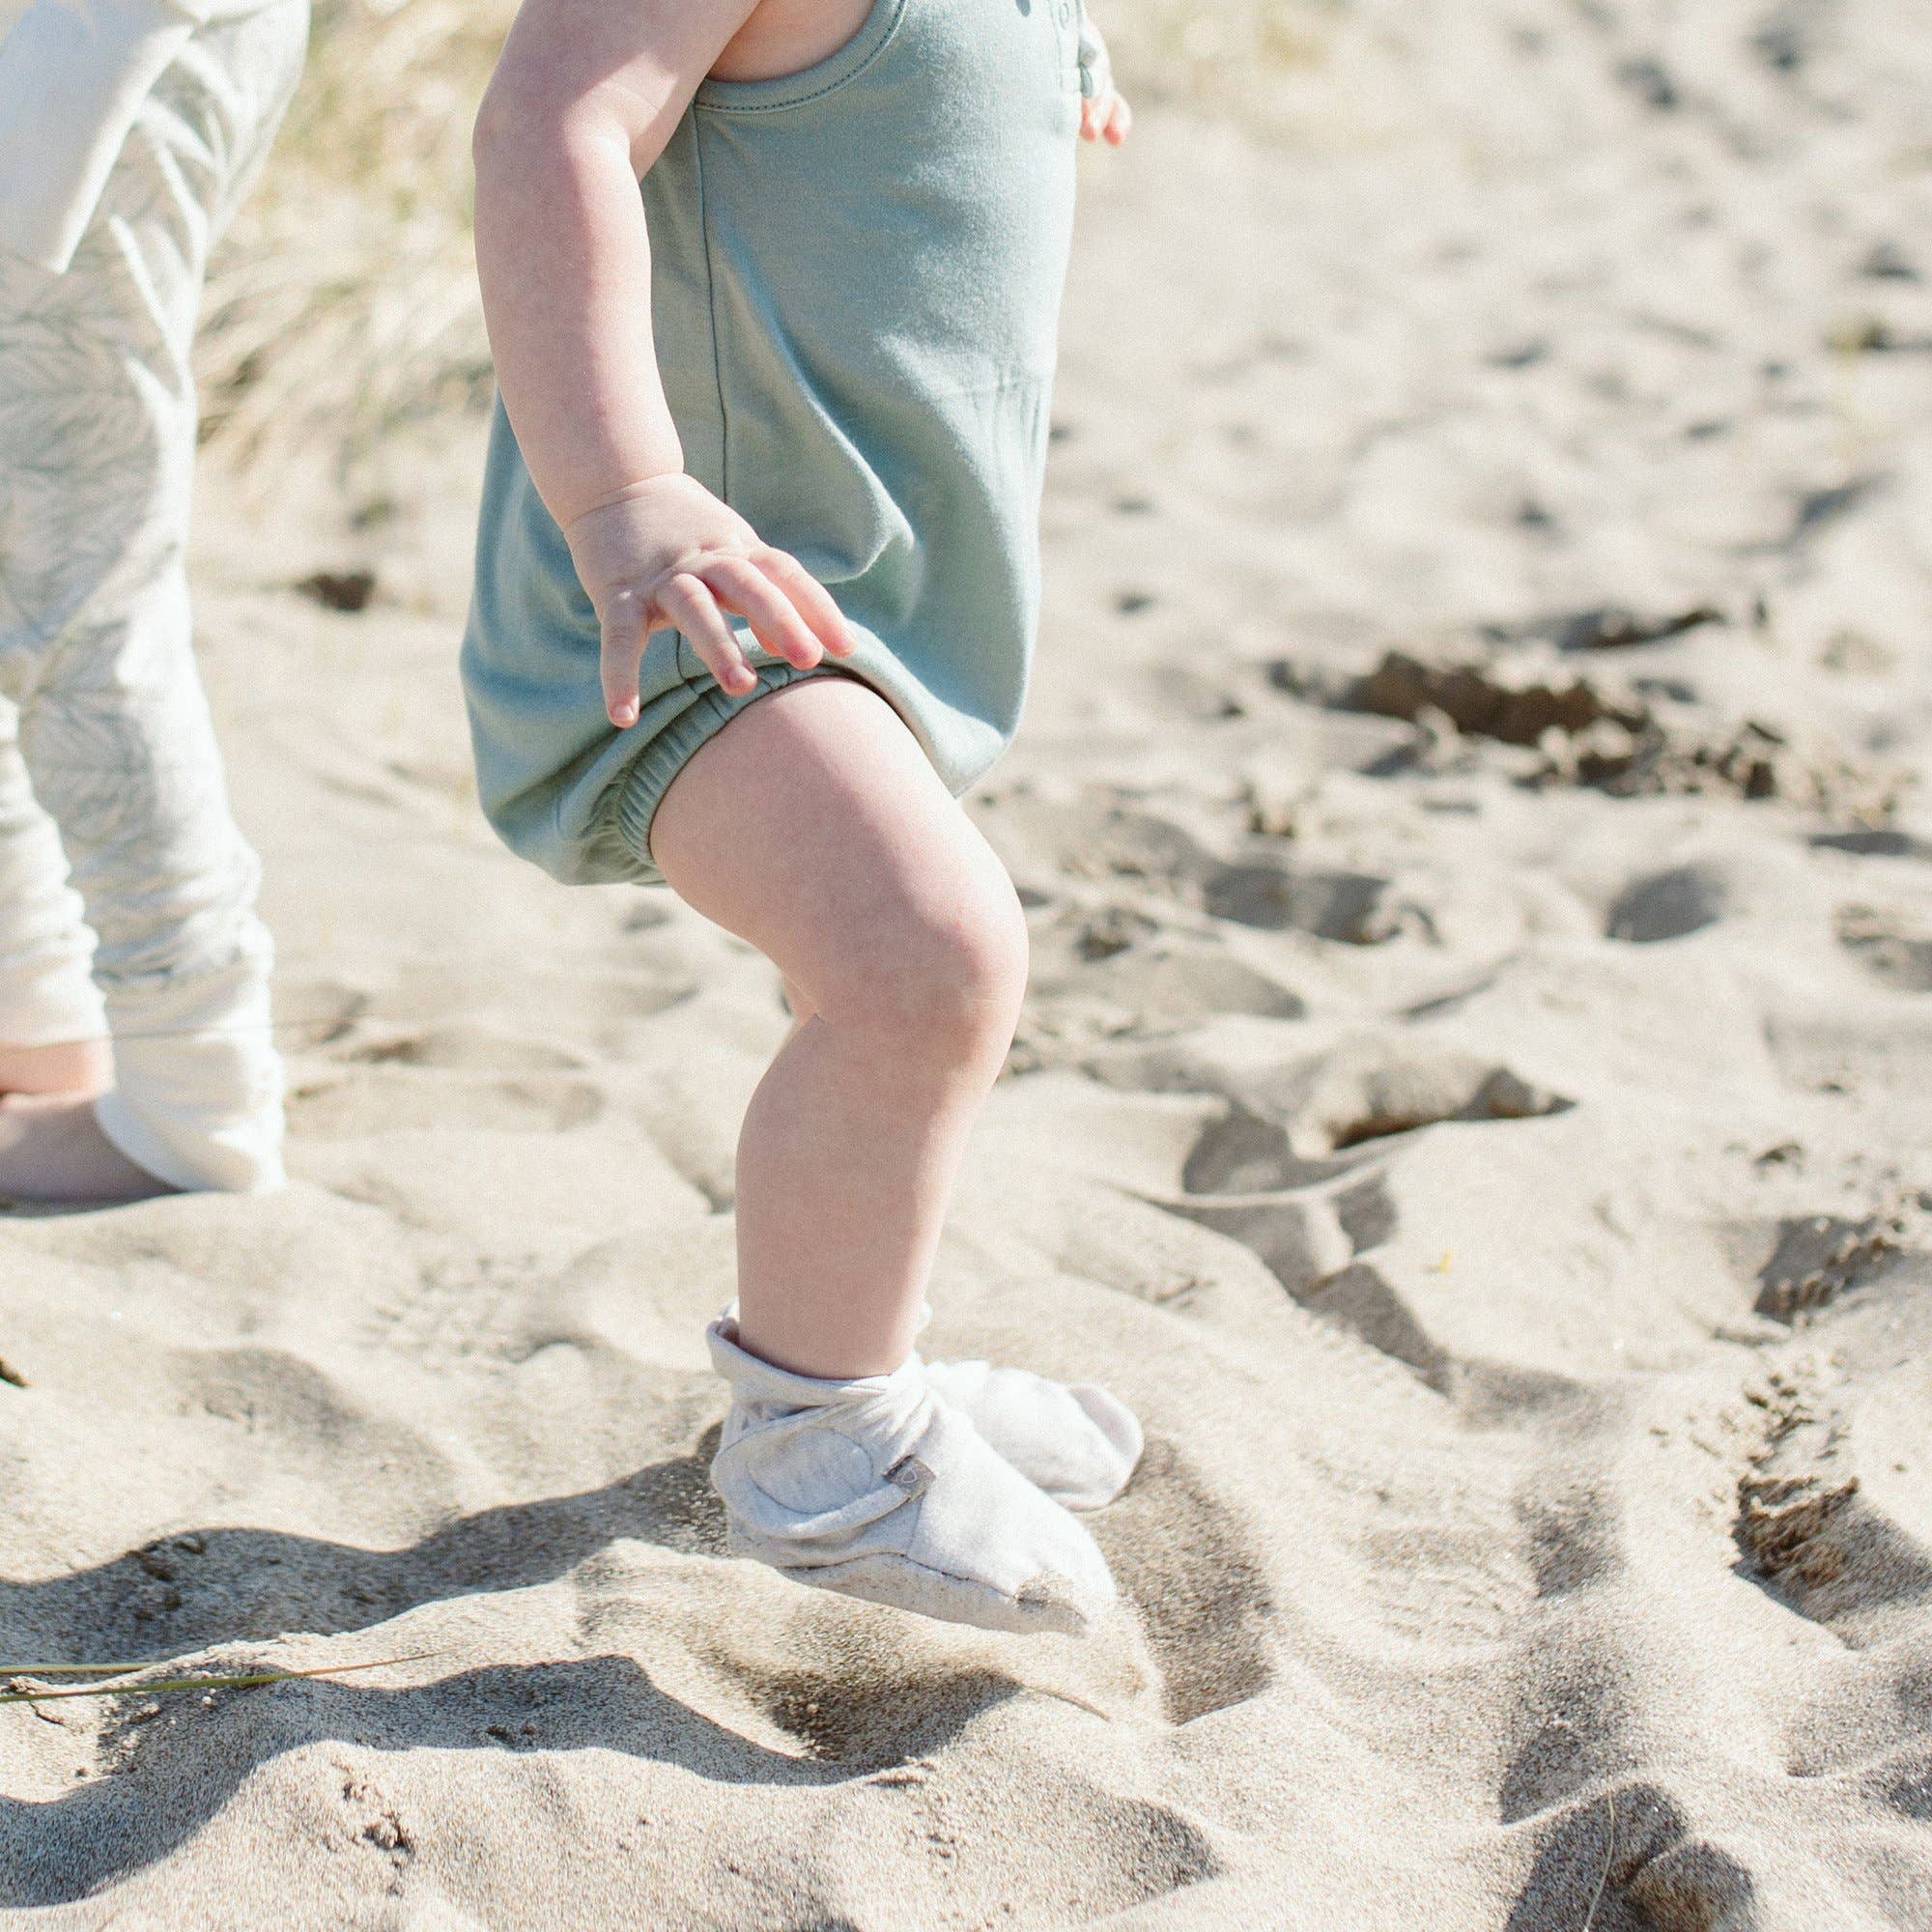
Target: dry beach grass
1475,1097
345,304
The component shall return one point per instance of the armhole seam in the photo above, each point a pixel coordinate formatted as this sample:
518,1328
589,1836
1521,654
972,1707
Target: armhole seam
711,314
718,102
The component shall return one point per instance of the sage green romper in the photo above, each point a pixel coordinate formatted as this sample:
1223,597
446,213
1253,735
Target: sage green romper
858,273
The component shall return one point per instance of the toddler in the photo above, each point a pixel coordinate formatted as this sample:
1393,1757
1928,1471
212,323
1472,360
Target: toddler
756,590
128,135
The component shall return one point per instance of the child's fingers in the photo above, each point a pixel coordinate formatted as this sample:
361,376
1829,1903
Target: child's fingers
811,599
623,624
686,601
1106,117
743,589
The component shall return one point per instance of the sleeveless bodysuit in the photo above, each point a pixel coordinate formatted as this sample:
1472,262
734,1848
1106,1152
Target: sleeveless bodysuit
857,281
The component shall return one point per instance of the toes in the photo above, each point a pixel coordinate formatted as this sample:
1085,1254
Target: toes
1121,1428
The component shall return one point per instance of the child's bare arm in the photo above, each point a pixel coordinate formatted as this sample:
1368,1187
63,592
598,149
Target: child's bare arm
582,101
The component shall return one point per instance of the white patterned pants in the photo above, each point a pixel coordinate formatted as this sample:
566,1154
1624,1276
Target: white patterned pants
127,893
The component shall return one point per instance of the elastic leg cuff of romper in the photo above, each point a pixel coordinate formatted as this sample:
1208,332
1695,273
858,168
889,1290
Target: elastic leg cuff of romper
57,1006
131,1136
52,1028
673,748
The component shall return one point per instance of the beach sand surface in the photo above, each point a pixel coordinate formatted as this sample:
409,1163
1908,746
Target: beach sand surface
1475,1103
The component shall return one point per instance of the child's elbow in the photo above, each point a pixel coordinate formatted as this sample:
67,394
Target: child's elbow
524,128
524,117
504,122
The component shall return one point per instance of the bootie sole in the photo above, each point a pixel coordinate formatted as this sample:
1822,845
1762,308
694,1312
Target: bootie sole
1050,1606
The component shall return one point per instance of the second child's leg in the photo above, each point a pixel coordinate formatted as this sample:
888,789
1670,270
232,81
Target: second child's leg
96,452
814,827
52,1032
123,751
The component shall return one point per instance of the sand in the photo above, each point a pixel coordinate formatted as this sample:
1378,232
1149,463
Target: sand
1475,1101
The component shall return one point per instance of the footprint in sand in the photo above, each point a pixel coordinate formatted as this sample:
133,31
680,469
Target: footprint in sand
1201,1588
1668,905
1363,1088
1893,948
1815,1527
1819,1258
1103,837
1121,960
1372,1089
1293,1189
1348,908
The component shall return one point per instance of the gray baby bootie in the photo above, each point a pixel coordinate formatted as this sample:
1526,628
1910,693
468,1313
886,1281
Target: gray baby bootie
1077,1441
880,1488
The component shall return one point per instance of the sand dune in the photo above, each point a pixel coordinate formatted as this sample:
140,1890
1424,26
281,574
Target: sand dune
1475,1101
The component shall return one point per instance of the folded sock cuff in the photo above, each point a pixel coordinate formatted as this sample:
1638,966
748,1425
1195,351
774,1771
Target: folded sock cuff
756,1381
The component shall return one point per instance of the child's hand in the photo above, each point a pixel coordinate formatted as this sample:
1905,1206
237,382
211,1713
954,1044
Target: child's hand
1105,113
669,555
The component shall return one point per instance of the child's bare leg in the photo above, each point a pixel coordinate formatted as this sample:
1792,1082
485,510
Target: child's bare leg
82,1068
814,827
52,1029
1080,1443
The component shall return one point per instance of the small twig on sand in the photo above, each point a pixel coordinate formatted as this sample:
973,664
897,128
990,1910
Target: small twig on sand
156,1688
1603,1877
1073,1698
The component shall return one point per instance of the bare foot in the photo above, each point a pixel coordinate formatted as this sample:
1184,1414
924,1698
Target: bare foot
77,1067
52,1150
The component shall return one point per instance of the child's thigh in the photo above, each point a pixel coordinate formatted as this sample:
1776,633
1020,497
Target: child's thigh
814,826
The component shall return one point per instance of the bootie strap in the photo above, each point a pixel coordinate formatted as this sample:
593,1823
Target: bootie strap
735,1473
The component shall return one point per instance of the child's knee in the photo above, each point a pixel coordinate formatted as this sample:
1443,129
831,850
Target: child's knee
941,974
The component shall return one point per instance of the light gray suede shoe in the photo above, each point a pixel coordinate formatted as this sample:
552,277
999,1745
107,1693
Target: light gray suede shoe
880,1488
